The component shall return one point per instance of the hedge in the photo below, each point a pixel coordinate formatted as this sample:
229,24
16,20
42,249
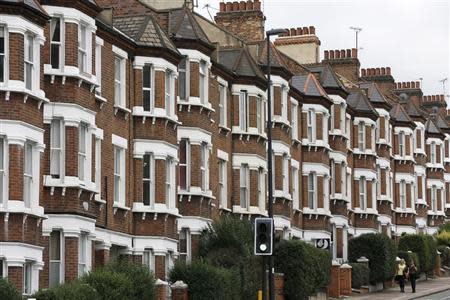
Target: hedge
409,257
445,255
424,246
76,290
306,269
8,290
443,238
381,252
205,281
360,275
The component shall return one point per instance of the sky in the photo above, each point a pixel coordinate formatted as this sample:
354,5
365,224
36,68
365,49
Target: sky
410,36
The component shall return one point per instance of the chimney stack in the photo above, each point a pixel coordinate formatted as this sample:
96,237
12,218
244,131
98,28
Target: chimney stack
301,44
345,62
382,76
244,18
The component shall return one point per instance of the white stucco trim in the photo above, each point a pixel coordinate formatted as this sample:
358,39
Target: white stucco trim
159,245
70,225
159,64
195,135
316,107
407,177
119,52
254,161
279,81
367,121
71,15
222,155
368,174
195,55
160,149
119,141
18,132
318,168
72,114
195,224
280,148
251,90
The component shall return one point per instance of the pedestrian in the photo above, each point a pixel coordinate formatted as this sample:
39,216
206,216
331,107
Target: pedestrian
400,275
412,273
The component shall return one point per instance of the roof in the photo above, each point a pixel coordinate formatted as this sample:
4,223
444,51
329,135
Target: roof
412,109
240,62
308,85
359,102
373,92
183,25
327,77
144,30
441,122
399,114
33,4
431,127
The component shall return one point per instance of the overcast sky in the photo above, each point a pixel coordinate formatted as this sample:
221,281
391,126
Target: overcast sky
410,36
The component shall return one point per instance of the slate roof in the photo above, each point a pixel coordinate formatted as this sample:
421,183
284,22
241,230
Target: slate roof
431,127
183,25
399,114
239,61
373,92
327,77
33,4
441,122
308,85
144,30
412,109
359,102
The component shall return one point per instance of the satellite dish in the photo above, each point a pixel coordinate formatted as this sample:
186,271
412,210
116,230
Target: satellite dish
404,96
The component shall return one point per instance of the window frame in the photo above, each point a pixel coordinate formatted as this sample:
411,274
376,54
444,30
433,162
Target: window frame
57,20
223,183
433,199
148,101
83,36
243,111
222,105
184,71
401,144
3,155
259,115
59,150
27,278
433,153
284,102
312,195
119,178
83,134
261,189
204,166
361,136
285,173
59,261
295,188
185,164
294,121
150,179
29,61
148,259
98,166
119,82
185,235
311,126
98,67
83,253
4,55
362,193
170,182
28,171
244,190
168,93
402,194
203,81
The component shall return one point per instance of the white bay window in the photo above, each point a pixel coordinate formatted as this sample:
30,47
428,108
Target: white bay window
184,165
244,186
57,142
148,180
148,101
30,61
56,42
243,111
28,174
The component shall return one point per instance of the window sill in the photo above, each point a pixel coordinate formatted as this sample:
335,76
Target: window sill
196,193
100,99
224,208
384,198
117,206
370,152
252,210
19,87
338,132
315,144
252,131
339,197
281,120
156,208
69,182
317,212
434,166
123,109
368,211
16,207
195,101
157,113
71,71
436,213
404,158
405,211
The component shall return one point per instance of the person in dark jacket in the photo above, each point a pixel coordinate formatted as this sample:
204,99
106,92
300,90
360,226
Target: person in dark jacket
412,275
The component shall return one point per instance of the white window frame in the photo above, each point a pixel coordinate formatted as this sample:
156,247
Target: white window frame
294,121
433,153
284,102
295,188
98,166
3,144
243,111
223,183
169,92
433,200
244,189
222,105
204,166
361,136
27,278
119,81
151,95
186,164
150,180
98,66
203,81
83,134
3,268
312,194
401,144
285,173
402,194
261,189
59,45
168,264
362,193
59,262
185,234
333,176
4,55
259,115
57,149
148,259
83,37
28,173
29,62
170,182
184,71
119,175
311,125
83,252
342,118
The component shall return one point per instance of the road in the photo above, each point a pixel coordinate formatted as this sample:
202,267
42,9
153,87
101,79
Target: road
445,295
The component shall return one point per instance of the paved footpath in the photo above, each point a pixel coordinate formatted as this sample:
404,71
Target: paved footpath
431,289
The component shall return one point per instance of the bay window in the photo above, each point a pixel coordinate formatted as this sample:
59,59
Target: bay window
295,190
82,48
310,123
401,144
402,194
333,176
28,174
148,259
119,81
82,151
362,193
203,81
2,170
284,102
98,166
169,93
170,182
57,130
433,200
184,245
361,136
222,105
184,164
148,182
56,42
55,262
29,61
294,121
183,76
261,189
259,115
433,153
147,93
243,111
204,167
285,173
168,264
223,183
312,199
244,186
82,254
119,175
27,278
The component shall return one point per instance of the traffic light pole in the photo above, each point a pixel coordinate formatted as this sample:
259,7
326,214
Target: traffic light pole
269,166
264,278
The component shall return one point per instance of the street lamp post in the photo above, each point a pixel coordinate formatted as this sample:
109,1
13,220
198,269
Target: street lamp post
269,156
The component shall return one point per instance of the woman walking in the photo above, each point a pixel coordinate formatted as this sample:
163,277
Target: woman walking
400,275
412,274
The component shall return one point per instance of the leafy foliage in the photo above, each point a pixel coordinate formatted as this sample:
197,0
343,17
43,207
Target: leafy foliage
360,275
109,285
76,290
205,281
445,255
8,290
306,269
409,257
443,238
381,252
444,227
424,246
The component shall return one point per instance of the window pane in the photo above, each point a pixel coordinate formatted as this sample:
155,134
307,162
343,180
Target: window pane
146,173
55,243
146,80
146,192
28,75
30,47
182,85
55,55
2,40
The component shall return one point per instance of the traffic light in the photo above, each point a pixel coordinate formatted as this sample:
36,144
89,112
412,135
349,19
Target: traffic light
263,236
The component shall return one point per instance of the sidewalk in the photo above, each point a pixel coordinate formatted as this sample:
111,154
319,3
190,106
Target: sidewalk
423,288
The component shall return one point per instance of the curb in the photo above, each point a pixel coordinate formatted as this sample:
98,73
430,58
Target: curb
432,293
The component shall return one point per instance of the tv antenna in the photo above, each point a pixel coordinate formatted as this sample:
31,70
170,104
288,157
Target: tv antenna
357,30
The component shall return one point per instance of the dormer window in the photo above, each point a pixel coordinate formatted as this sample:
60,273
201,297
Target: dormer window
361,136
147,90
56,42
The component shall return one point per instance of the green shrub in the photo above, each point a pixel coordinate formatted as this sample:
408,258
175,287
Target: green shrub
443,238
445,255
360,275
381,252
444,227
425,247
76,290
306,269
205,281
110,285
140,276
8,290
409,257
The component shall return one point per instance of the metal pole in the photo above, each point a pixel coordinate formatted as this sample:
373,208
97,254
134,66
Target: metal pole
269,167
264,278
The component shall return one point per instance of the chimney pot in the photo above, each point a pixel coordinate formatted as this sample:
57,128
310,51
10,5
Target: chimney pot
305,30
377,71
249,5
413,85
349,53
433,98
331,54
442,98
327,54
388,71
417,84
223,6
312,30
408,85
354,53
229,6
337,54
299,31
257,5
342,53
242,5
363,73
235,6
293,32
403,85
383,71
